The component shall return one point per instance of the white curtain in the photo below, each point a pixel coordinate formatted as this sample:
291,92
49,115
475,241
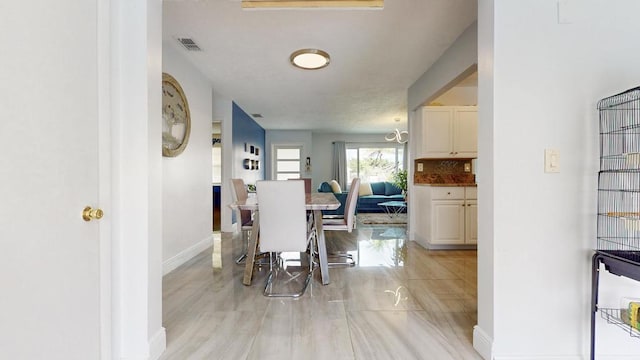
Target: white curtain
340,163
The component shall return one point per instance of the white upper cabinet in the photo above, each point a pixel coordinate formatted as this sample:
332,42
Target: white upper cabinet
437,132
448,132
465,132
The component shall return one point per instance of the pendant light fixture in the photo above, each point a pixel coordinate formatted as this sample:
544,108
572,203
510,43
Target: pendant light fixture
398,136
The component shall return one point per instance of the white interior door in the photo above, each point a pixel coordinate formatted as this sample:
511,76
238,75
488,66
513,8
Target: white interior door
49,256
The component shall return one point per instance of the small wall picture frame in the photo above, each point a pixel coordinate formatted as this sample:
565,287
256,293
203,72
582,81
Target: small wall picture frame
257,164
247,164
253,149
246,147
257,151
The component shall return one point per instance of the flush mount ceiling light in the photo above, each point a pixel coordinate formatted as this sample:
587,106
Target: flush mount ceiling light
281,4
310,59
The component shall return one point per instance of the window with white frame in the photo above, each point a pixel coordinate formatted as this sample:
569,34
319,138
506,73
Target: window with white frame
287,162
374,162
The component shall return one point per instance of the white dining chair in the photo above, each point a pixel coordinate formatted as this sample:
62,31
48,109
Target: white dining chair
283,228
345,223
243,217
307,184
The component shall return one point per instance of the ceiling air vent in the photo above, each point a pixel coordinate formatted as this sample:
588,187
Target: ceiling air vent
257,115
189,44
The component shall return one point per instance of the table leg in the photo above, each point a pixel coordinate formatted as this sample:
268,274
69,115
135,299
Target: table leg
398,210
252,248
387,210
595,277
392,210
322,247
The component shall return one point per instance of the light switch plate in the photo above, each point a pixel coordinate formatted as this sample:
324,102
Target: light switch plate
467,167
566,10
420,167
551,161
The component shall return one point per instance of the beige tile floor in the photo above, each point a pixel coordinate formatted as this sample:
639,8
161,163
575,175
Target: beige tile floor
400,302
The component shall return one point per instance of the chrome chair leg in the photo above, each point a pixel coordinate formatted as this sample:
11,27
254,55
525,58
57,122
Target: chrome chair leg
242,258
268,287
349,261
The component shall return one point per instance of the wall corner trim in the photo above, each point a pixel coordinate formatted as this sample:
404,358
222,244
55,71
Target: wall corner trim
157,344
186,255
482,343
456,63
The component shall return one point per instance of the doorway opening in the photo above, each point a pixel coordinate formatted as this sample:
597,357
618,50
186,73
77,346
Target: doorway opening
216,172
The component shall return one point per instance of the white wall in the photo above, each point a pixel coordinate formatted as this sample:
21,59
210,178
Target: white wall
126,69
546,80
458,95
223,112
483,333
156,333
135,104
318,146
457,62
186,178
322,158
287,137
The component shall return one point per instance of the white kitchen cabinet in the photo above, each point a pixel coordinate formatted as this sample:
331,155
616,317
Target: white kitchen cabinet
448,132
471,222
471,215
419,200
447,217
447,222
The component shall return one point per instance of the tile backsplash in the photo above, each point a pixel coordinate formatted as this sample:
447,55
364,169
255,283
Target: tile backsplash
443,171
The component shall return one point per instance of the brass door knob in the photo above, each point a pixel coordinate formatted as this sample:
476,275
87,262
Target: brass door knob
89,214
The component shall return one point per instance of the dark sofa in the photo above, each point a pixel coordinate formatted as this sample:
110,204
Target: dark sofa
342,197
382,191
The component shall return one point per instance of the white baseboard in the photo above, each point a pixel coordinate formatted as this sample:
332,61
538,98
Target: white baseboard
229,228
157,344
186,255
524,357
483,343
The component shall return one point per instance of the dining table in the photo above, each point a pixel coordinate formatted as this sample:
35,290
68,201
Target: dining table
315,203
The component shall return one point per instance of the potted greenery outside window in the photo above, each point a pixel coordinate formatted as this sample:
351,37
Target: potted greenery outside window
400,180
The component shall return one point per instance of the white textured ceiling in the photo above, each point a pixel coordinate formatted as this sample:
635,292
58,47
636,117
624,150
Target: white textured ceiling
375,56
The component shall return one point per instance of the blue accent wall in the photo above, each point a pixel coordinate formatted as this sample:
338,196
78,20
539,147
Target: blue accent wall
247,131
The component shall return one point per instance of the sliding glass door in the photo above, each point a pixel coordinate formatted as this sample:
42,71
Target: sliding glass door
374,162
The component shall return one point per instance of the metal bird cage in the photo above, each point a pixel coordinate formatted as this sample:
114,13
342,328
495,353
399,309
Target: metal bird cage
619,176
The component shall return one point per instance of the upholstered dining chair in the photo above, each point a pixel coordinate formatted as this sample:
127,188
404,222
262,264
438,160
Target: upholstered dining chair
307,184
345,223
243,217
283,228
307,190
